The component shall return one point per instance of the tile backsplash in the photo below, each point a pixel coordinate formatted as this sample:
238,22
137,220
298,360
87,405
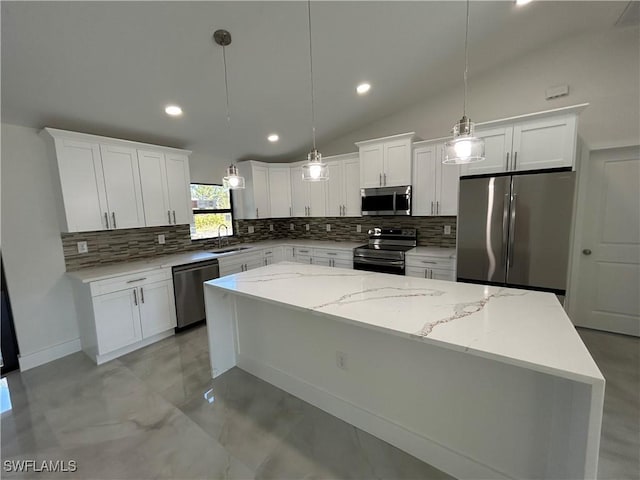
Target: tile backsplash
132,244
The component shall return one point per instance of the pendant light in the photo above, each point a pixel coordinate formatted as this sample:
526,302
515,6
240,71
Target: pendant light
233,180
464,147
314,170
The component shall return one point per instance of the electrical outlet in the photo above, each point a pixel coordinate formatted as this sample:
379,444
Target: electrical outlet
271,227
251,229
341,360
307,227
292,226
161,239
358,228
328,227
447,229
82,247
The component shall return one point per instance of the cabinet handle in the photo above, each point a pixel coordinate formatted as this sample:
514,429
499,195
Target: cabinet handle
506,164
425,272
437,207
331,253
385,179
257,214
174,218
136,280
432,208
431,274
135,297
113,215
380,180
265,261
429,261
289,211
141,294
310,259
106,219
515,160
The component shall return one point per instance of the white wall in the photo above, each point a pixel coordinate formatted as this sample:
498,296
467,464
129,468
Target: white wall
41,297
602,69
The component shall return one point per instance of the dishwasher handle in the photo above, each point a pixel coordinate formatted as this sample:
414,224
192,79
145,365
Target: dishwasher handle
189,267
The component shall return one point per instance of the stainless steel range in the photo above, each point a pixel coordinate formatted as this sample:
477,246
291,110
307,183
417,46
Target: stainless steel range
385,251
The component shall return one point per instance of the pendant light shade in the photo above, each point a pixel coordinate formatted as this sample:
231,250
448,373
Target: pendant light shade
464,147
233,180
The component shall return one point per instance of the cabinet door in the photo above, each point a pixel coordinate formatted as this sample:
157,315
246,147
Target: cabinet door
280,192
348,264
299,192
547,143
117,319
157,308
179,188
497,152
317,199
261,191
397,163
424,180
325,262
447,185
122,183
230,268
255,262
289,254
351,175
335,189
447,275
418,272
85,201
371,165
153,182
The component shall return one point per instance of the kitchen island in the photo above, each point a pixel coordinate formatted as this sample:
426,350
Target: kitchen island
481,382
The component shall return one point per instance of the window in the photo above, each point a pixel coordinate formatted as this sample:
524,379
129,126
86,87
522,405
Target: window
212,208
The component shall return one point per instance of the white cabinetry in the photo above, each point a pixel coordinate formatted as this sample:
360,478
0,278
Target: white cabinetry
338,258
108,183
253,201
280,191
343,191
241,262
124,313
546,140
308,199
435,266
386,162
435,185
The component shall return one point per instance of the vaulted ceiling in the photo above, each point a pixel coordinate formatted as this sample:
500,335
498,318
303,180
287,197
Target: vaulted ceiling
109,68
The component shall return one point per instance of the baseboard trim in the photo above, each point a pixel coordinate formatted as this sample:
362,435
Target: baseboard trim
100,359
47,355
424,448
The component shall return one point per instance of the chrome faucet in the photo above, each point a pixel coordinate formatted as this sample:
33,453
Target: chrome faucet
226,236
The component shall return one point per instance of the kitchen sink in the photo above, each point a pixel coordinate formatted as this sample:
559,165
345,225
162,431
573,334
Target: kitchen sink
231,249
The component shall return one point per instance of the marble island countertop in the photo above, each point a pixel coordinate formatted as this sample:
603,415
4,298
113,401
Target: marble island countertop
520,327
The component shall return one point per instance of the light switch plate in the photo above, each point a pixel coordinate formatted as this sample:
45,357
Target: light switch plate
292,226
328,227
358,228
307,227
82,247
447,229
251,229
161,240
271,227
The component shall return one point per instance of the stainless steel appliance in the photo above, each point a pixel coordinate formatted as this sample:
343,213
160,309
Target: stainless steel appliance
386,200
385,251
514,230
189,291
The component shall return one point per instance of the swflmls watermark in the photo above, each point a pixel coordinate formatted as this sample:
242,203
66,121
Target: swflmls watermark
40,466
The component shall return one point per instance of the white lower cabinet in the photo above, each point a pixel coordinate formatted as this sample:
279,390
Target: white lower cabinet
124,313
241,262
433,267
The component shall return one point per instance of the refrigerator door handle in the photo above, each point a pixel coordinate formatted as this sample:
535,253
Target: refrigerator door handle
512,229
505,228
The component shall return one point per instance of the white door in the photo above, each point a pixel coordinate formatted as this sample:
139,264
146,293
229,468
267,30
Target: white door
280,192
335,189
397,163
85,201
153,181
261,191
608,292
117,319
424,181
371,165
447,185
547,143
179,188
122,183
317,199
497,151
157,311
299,193
352,198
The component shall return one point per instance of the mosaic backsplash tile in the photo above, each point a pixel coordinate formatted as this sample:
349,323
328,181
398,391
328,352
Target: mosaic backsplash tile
122,245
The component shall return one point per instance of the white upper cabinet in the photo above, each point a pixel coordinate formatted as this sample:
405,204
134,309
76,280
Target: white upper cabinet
435,185
254,200
386,162
280,191
546,140
108,183
308,199
343,192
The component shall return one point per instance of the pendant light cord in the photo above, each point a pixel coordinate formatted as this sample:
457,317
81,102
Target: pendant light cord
313,113
466,62
226,89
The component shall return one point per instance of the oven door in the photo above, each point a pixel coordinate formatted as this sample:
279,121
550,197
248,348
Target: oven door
379,265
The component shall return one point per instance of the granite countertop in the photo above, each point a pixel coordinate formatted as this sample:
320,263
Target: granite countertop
520,327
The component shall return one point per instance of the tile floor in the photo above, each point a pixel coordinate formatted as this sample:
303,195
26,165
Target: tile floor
149,415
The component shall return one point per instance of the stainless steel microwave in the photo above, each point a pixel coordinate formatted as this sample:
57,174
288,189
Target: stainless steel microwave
386,200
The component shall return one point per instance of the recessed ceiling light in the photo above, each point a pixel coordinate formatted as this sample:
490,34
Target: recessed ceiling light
522,2
363,88
273,137
173,110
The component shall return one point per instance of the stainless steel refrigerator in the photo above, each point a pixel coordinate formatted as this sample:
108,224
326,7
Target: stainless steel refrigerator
514,230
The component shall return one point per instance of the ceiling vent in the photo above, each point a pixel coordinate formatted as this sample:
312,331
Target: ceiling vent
630,16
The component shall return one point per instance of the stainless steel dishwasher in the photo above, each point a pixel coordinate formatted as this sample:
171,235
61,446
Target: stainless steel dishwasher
189,291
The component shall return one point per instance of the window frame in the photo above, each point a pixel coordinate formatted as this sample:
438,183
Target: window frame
207,211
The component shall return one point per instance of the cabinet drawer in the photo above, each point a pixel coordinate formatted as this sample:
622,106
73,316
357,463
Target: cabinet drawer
241,258
132,280
431,273
431,262
335,254
302,251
